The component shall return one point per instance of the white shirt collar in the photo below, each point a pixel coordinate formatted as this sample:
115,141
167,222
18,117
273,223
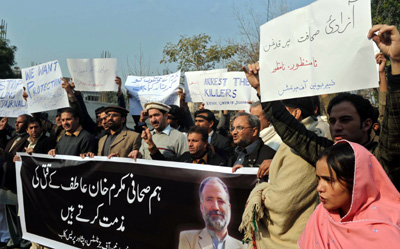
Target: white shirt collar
166,131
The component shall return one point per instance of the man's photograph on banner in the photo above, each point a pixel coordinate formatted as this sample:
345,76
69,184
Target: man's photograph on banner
86,203
215,208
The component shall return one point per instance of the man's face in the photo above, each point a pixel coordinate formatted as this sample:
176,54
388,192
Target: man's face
114,120
258,111
199,121
34,130
158,120
345,123
3,123
69,122
243,135
103,120
215,206
197,147
172,120
98,120
58,121
19,124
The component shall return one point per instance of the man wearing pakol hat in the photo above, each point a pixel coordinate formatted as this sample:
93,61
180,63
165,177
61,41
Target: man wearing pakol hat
118,141
163,138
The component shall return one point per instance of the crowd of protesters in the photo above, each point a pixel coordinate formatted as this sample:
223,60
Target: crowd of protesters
355,156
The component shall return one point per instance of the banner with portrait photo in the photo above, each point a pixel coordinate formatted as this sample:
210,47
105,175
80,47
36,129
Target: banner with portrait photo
69,202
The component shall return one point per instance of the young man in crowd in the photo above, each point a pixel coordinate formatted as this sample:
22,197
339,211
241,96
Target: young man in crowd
200,151
222,145
75,140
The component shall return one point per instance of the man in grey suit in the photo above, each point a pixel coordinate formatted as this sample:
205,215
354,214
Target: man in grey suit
216,210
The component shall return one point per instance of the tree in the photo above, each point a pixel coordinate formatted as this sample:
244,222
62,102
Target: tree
7,59
196,53
140,66
249,20
386,11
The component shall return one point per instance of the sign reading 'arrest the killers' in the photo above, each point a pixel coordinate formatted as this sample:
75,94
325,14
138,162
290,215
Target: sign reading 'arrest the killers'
69,202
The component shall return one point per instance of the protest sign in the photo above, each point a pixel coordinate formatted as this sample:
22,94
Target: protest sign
145,89
321,48
119,203
93,74
12,104
226,91
193,90
43,85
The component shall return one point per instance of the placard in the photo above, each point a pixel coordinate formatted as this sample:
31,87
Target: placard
193,90
319,49
43,85
145,89
93,74
12,104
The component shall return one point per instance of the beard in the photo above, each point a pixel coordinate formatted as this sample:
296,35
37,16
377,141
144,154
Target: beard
216,223
244,142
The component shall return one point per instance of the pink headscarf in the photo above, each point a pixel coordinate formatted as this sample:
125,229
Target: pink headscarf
373,220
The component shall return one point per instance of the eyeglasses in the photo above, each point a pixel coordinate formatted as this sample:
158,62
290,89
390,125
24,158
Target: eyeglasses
239,128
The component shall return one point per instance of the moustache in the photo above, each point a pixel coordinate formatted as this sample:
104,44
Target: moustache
216,212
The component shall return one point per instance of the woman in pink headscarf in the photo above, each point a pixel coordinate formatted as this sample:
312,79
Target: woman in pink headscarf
360,207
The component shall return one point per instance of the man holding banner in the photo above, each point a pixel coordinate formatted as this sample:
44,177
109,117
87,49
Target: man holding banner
118,141
8,192
200,151
163,139
222,145
75,139
250,150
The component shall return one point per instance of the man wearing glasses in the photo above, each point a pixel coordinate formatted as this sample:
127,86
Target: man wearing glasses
250,150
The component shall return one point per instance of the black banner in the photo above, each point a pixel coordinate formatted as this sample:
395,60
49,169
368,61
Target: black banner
118,203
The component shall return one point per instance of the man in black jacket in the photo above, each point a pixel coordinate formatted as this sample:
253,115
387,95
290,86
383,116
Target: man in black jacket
8,190
37,141
75,140
250,150
221,144
199,149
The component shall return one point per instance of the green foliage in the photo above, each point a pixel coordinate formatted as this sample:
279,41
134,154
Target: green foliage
6,59
246,54
386,12
196,53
